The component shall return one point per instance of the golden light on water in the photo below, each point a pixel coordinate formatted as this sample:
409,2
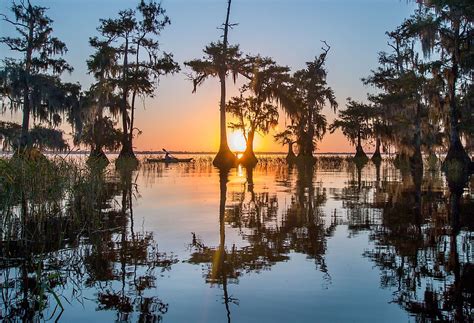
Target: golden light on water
237,141
240,170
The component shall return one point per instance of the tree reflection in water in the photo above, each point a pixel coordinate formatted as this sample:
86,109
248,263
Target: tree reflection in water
422,242
50,260
270,239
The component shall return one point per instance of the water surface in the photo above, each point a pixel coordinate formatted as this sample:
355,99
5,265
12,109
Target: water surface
333,242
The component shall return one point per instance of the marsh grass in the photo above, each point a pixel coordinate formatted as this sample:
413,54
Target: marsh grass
67,225
46,206
334,163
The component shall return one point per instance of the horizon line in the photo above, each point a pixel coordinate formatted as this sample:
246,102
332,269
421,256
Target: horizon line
184,152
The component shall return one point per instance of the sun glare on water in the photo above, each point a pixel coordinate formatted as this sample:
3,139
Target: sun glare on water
237,142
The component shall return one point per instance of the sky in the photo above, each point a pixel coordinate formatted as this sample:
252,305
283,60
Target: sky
289,31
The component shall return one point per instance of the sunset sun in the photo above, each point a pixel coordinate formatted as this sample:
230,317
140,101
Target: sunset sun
237,142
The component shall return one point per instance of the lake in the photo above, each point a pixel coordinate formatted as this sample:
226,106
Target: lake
333,242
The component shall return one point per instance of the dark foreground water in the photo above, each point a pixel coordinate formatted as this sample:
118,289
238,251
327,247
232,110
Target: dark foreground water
185,243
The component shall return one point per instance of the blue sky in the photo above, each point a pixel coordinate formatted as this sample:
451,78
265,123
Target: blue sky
289,31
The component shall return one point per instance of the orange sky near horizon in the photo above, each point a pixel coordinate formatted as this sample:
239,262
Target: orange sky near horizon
193,123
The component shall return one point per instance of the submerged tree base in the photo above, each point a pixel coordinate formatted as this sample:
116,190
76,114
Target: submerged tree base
457,173
126,157
416,163
291,159
402,162
127,150
225,159
97,163
360,154
457,158
98,157
376,157
248,159
305,159
432,162
360,161
126,162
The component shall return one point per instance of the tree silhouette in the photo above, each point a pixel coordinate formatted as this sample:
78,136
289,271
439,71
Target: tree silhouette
220,60
445,27
312,93
288,137
31,83
99,130
403,114
129,34
101,134
40,137
256,110
355,125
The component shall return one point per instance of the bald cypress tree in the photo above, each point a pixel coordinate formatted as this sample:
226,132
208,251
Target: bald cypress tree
403,111
133,35
31,82
256,110
354,123
220,60
312,94
446,28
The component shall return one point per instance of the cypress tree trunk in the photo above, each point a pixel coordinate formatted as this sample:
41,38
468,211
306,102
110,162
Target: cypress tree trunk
416,160
310,144
224,158
307,146
306,151
25,125
377,156
290,157
360,154
127,149
402,161
250,183
98,155
132,107
248,158
456,152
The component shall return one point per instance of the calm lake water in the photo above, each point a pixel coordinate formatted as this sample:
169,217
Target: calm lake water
329,243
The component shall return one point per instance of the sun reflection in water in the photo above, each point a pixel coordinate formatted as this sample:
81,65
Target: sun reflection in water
240,170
